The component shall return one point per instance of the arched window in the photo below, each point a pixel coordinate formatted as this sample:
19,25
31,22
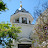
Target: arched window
24,20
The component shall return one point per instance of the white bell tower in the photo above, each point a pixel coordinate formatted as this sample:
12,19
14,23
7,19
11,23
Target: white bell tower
23,19
21,16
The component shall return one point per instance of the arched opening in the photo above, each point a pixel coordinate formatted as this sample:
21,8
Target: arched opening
25,43
24,20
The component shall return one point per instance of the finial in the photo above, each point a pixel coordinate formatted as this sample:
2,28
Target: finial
21,4
20,1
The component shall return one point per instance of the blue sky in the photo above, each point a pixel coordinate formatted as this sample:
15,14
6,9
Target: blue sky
13,5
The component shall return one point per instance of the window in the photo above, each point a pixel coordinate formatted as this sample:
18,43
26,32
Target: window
24,20
17,20
22,11
29,22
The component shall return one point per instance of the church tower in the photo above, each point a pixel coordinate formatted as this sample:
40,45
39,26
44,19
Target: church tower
21,16
23,19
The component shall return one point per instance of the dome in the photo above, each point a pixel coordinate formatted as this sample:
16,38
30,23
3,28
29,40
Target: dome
21,10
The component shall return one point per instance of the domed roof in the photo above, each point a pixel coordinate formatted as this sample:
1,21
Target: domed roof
21,10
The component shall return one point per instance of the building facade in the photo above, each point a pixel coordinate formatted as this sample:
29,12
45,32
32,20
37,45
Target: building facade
43,17
23,19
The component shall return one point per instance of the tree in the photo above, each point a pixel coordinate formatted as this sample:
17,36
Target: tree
42,27
38,11
7,34
42,32
2,6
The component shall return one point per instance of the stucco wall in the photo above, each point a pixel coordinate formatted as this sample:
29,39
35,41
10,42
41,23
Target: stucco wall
26,29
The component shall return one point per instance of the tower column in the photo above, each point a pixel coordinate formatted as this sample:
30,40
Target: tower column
27,21
20,20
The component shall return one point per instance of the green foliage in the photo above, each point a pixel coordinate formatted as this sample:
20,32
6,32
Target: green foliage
32,41
9,33
2,6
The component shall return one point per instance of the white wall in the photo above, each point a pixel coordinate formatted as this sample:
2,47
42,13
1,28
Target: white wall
26,29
